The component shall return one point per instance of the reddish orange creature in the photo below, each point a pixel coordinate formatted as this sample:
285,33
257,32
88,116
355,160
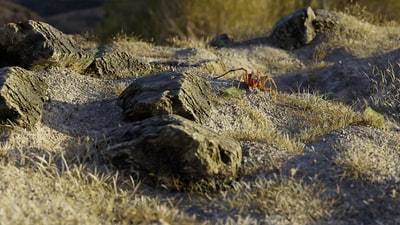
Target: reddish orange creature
254,80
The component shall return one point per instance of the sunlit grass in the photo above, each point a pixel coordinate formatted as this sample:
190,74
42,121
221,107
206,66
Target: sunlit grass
290,199
364,159
316,116
44,187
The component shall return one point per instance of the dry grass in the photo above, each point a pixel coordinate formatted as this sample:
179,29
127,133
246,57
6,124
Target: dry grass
250,123
385,93
373,159
276,201
355,36
43,195
292,199
316,116
42,184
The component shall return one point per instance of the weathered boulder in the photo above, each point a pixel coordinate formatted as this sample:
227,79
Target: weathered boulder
294,30
38,45
21,96
171,146
119,65
166,93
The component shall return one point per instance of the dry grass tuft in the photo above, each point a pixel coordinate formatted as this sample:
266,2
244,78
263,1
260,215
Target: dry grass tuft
135,46
291,199
366,159
358,38
251,123
119,88
44,194
315,116
385,88
184,42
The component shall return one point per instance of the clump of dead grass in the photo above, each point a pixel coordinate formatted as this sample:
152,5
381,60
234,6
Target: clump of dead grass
368,159
358,38
44,195
244,121
184,42
119,87
135,46
385,88
292,199
315,116
311,116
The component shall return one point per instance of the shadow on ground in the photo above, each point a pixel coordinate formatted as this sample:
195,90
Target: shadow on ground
88,119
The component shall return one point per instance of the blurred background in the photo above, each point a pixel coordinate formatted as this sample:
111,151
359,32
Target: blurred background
161,20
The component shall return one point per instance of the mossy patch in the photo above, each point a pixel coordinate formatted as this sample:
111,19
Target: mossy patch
373,118
232,92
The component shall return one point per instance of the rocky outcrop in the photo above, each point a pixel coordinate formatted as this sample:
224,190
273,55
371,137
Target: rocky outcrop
166,93
120,64
171,146
37,45
294,30
21,96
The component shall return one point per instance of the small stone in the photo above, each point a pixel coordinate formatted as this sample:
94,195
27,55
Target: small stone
222,40
292,172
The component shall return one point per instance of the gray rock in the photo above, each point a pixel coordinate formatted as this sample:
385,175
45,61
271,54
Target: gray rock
199,59
171,146
166,93
325,20
119,65
222,40
21,96
294,30
37,45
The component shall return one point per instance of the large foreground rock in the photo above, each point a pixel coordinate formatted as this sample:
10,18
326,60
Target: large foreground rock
294,30
21,96
38,45
166,93
171,146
